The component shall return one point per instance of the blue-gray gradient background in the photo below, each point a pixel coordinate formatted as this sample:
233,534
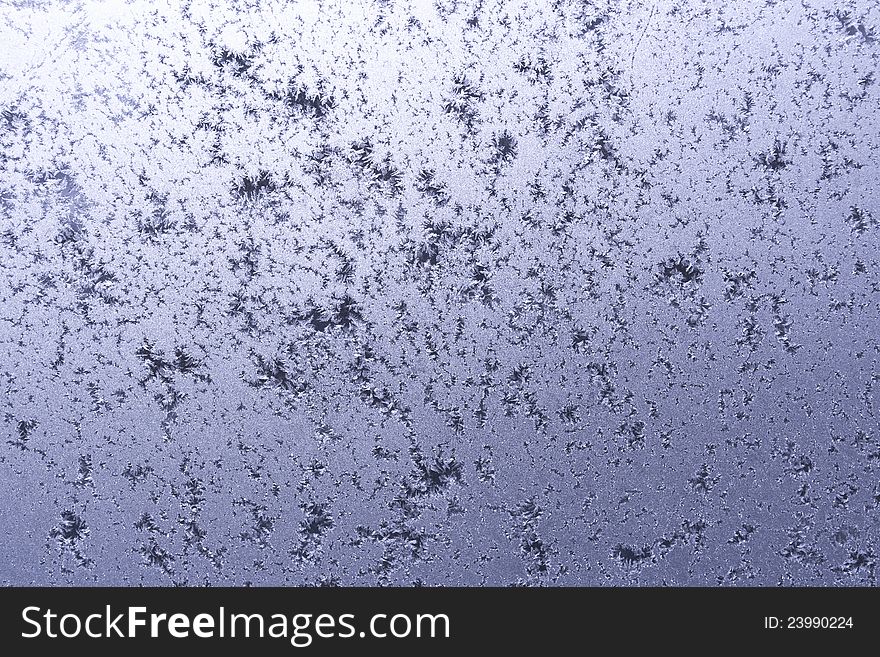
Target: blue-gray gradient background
368,292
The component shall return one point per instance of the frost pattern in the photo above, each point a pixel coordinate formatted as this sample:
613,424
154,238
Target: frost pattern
449,292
